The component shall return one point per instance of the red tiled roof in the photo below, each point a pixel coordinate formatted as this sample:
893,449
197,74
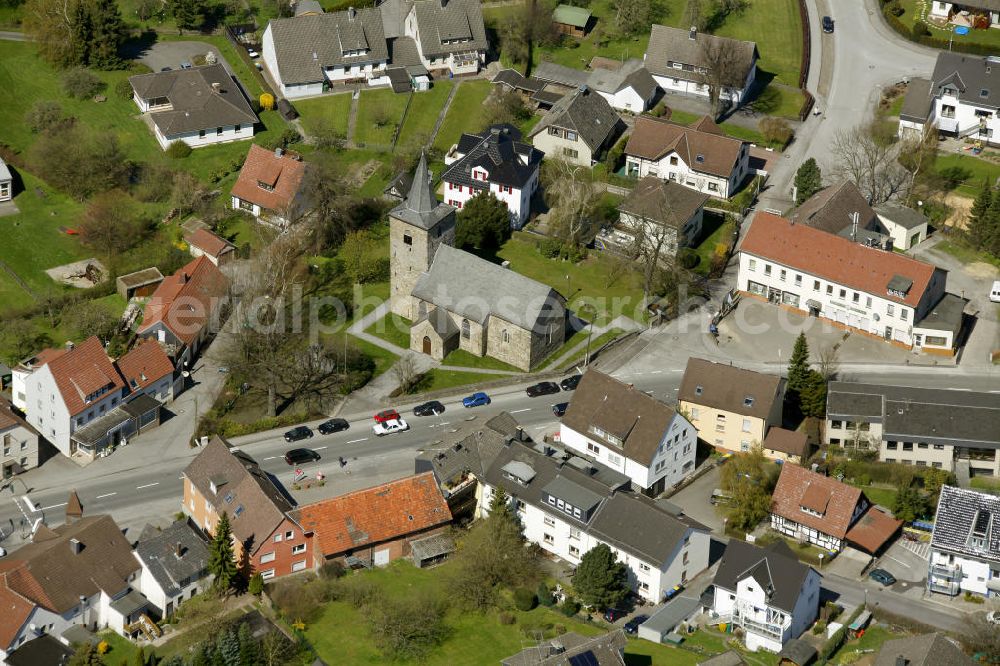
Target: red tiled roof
145,364
283,173
374,515
209,243
184,301
653,138
81,371
873,529
14,612
799,487
834,258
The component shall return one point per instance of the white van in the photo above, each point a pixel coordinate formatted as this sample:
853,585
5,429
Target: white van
995,292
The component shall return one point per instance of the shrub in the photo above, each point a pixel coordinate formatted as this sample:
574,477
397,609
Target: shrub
81,84
544,595
920,29
688,258
570,607
332,570
549,248
283,140
359,590
256,586
506,617
775,130
137,67
524,599
44,115
178,150
973,598
896,9
103,647
123,90
819,627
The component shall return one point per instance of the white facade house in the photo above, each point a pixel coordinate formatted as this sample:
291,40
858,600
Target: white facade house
568,507
174,566
495,162
768,593
965,544
18,443
629,88
629,432
881,293
699,157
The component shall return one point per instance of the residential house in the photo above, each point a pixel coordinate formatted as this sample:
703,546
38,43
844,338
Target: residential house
568,505
200,106
186,309
732,408
933,649
916,110
42,650
883,294
572,21
82,573
146,368
140,284
630,432
700,157
905,226
374,526
572,648
203,242
225,480
680,61
135,414
965,544
626,86
308,53
494,161
981,14
71,389
766,592
21,372
6,183
174,565
828,513
19,442
270,186
942,428
786,445
579,129
662,214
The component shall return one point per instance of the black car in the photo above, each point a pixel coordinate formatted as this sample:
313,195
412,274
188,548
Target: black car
542,388
299,456
632,626
827,24
297,433
882,576
614,614
571,382
332,426
559,408
432,408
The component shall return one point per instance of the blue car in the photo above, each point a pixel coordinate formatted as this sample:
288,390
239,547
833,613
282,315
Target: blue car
476,400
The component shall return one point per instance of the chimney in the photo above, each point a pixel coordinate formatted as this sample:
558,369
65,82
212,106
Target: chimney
216,87
69,345
279,151
693,32
351,13
179,550
183,278
315,56
75,546
900,660
520,434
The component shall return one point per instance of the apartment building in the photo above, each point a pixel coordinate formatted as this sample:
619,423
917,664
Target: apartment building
965,544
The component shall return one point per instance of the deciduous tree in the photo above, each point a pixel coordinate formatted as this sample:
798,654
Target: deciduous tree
112,223
484,223
909,505
725,69
749,484
600,579
633,16
407,627
80,161
868,156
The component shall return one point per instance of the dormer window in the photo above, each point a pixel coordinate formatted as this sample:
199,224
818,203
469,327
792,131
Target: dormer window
267,187
748,401
700,158
984,93
698,390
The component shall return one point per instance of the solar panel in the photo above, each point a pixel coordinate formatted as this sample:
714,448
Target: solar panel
982,522
584,659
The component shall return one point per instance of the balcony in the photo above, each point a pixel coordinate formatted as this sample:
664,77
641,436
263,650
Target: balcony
773,631
947,571
950,588
946,124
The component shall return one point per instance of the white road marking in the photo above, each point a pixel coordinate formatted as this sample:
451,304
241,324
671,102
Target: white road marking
355,441
148,485
319,448
54,506
518,411
271,458
655,372
106,495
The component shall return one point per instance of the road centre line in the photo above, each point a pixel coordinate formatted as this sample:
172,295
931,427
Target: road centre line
105,495
148,485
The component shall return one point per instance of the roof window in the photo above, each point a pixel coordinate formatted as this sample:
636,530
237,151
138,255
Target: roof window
984,93
748,401
699,158
698,390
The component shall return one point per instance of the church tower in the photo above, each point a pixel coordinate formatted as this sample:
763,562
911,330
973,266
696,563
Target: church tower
417,227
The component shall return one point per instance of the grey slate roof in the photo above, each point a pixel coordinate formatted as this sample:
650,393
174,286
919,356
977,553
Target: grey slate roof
663,201
403,53
477,289
158,550
456,21
308,7
196,104
970,75
586,113
470,450
775,568
958,512
421,207
499,154
632,73
668,45
902,215
831,208
516,81
638,526
666,619
946,315
926,650
572,649
917,101
798,651
394,16
303,46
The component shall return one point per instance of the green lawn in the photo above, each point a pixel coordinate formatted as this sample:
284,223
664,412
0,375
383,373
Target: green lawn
423,113
10,17
325,113
986,483
595,344
573,340
731,129
466,113
382,105
393,329
594,280
882,496
965,254
973,171
439,379
871,641
713,228
383,358
463,358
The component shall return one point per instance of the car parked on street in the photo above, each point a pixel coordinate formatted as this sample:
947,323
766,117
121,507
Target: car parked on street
542,388
827,24
559,409
332,426
297,433
882,576
387,415
252,53
185,65
477,399
571,382
390,427
299,456
632,626
432,408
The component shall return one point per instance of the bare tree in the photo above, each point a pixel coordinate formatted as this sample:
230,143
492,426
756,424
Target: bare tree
694,15
870,159
917,156
655,243
405,373
725,67
829,363
574,195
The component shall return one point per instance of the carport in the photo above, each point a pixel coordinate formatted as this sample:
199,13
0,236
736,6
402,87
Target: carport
659,627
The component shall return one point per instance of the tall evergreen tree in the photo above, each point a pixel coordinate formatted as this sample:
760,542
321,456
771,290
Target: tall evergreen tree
600,579
229,647
221,559
978,227
808,180
108,33
249,654
812,395
189,14
500,505
798,365
991,234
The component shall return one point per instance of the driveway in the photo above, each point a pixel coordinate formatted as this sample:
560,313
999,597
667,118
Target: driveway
694,499
172,54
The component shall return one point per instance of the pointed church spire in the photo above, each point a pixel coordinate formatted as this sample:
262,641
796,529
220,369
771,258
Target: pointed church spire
421,198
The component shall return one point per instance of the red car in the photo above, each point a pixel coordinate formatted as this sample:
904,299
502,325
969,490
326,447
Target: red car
387,415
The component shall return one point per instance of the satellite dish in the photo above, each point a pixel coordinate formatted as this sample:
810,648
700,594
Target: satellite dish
185,374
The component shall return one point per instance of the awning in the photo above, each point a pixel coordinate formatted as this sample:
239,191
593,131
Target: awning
815,305
132,602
